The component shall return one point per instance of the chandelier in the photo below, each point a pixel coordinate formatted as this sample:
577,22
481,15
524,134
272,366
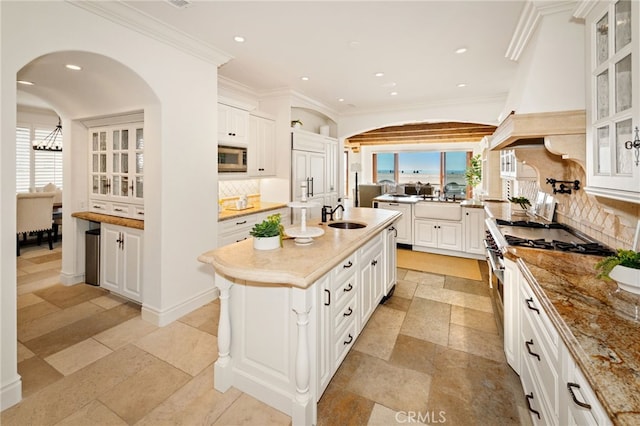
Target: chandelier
52,142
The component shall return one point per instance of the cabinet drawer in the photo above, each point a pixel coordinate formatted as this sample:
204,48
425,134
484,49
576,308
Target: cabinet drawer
98,207
344,269
544,368
233,225
226,239
539,320
345,314
138,212
344,289
535,403
344,341
118,209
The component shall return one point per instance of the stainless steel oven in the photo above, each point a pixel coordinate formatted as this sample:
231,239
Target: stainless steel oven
496,278
232,159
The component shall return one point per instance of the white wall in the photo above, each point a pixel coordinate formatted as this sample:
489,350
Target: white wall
550,75
180,222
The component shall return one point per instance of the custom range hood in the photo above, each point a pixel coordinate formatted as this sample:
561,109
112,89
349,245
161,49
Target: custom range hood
562,133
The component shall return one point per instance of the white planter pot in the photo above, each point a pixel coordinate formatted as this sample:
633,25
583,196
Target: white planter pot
266,243
628,279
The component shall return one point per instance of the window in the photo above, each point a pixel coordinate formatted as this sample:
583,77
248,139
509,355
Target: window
439,169
35,169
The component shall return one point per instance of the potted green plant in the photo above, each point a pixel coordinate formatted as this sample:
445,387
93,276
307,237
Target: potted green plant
623,267
267,235
523,204
296,124
473,174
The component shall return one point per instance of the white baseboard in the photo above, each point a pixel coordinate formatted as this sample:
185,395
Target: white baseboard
167,316
11,394
71,279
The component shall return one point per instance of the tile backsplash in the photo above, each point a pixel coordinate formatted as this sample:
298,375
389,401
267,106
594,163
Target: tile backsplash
232,188
611,222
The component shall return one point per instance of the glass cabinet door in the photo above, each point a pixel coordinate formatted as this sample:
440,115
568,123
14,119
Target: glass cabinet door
613,85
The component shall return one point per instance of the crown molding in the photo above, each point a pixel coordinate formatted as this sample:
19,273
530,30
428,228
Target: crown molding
533,11
584,8
136,20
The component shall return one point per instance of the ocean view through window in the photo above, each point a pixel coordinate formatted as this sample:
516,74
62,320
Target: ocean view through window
439,169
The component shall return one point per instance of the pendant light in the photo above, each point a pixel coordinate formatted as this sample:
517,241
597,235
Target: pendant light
53,141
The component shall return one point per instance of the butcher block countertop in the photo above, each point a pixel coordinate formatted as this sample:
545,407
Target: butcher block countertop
113,220
299,265
256,207
599,324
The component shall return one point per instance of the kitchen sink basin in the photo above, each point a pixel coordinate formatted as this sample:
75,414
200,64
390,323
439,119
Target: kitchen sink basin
347,225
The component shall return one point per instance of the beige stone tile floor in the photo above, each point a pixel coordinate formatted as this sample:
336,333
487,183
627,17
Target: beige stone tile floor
430,354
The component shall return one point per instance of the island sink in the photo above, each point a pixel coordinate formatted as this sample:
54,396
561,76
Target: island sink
347,225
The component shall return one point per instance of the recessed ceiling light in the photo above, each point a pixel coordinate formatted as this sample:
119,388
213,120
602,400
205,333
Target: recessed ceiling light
379,74
73,67
393,93
341,100
462,84
25,82
461,50
239,39
305,78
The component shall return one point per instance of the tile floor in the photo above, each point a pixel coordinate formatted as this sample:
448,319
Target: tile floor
431,354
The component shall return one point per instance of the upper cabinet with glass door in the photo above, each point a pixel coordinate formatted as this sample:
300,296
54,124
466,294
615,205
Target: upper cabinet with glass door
613,93
116,170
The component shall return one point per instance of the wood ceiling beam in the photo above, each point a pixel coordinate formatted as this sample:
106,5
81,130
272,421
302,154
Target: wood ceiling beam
423,133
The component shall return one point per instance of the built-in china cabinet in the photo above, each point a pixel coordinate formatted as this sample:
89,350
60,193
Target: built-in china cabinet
613,93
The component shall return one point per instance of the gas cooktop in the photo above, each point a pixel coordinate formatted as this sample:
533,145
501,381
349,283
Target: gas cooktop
549,236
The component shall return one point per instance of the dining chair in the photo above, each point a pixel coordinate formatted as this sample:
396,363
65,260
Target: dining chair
34,214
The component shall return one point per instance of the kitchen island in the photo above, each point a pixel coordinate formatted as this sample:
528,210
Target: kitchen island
289,316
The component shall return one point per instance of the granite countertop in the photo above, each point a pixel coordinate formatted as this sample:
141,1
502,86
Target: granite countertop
598,323
258,207
113,220
298,265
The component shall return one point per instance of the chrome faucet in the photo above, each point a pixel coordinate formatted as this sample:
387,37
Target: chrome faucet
328,212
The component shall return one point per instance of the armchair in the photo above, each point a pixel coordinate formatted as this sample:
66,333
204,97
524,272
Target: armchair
34,214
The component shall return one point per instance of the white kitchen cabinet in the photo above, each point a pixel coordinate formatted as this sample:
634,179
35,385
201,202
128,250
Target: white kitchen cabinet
404,225
121,260
116,170
438,234
324,318
261,155
233,125
390,271
309,167
331,151
582,406
474,230
613,91
511,168
370,258
512,309
237,229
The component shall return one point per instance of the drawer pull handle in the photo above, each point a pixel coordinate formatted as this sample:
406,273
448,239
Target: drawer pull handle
530,306
348,313
530,396
573,396
348,288
241,223
394,204
118,210
528,344
348,265
349,340
237,241
328,302
141,213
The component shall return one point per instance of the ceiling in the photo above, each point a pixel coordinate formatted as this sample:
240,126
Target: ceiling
338,45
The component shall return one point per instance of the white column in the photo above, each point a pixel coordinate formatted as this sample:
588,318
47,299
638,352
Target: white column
222,368
304,409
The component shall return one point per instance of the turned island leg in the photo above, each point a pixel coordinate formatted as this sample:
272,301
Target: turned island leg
304,409
222,368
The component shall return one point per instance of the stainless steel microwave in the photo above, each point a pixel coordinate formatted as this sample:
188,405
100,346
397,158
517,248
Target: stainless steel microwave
232,159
